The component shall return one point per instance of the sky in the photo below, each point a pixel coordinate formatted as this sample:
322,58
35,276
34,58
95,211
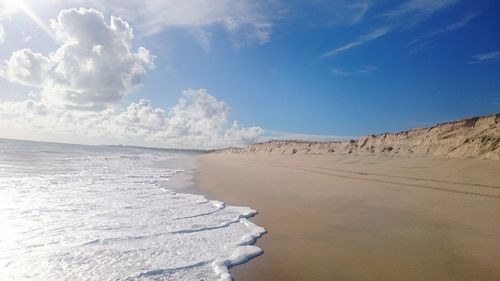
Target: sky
207,74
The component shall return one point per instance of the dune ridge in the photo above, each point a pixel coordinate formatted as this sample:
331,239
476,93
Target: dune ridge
476,137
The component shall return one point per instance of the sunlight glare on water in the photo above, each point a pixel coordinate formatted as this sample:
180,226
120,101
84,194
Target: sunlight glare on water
72,212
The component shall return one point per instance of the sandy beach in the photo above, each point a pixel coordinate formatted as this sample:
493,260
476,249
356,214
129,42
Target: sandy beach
363,217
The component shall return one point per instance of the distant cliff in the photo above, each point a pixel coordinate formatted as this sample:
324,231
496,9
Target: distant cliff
477,137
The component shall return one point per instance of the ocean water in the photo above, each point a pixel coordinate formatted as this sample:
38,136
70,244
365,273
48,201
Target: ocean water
71,212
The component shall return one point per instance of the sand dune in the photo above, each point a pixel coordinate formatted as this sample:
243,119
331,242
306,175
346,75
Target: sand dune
403,206
477,137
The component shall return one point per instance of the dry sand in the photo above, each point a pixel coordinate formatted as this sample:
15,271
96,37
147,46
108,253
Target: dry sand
363,218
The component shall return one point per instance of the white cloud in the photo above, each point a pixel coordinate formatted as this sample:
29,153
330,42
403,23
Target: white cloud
405,15
423,39
417,10
26,67
77,90
2,34
365,69
198,120
6,8
93,67
137,121
233,15
359,10
330,12
486,57
363,39
246,21
459,24
241,136
339,72
197,113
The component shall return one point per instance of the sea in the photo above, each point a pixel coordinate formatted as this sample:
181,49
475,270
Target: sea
77,212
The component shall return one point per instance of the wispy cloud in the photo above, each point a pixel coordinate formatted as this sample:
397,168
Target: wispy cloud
362,70
367,69
486,57
339,72
347,11
363,39
423,39
459,24
405,15
326,12
247,22
359,10
414,11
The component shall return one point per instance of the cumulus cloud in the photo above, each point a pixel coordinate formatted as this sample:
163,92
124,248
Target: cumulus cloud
79,87
200,119
197,120
26,67
93,67
241,136
138,120
197,113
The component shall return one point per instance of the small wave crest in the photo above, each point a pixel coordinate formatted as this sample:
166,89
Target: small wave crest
103,214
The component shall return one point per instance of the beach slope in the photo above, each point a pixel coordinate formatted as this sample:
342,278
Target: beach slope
364,218
422,204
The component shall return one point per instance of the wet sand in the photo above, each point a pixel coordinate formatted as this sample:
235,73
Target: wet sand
363,218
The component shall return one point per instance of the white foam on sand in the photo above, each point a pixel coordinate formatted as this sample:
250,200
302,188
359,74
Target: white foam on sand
85,213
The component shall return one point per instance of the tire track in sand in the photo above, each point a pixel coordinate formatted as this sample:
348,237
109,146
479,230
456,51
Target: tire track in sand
445,186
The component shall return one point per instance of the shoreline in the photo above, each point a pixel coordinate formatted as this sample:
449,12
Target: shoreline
401,218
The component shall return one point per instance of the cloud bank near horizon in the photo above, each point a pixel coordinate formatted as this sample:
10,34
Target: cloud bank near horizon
198,120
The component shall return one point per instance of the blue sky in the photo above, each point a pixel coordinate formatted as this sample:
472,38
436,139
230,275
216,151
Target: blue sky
340,68
285,85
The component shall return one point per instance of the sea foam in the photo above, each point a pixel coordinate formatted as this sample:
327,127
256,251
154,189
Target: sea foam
103,213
